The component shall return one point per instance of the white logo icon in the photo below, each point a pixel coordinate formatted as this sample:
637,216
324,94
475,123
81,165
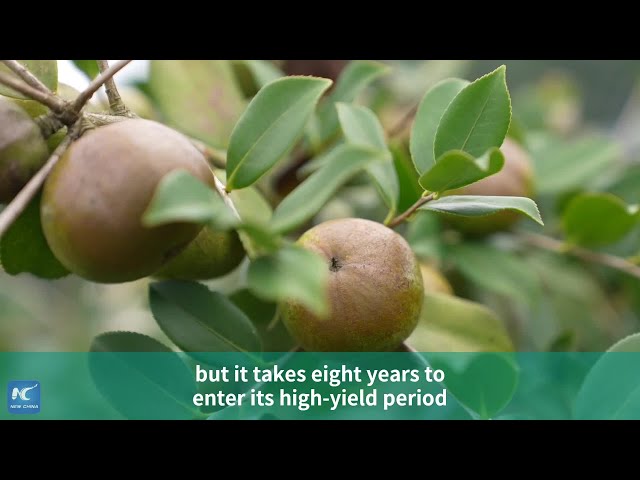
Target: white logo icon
21,392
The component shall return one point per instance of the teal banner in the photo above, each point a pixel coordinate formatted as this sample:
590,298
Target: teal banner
379,386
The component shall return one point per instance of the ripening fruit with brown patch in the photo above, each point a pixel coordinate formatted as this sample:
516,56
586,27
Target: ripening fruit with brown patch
95,197
375,289
516,179
23,149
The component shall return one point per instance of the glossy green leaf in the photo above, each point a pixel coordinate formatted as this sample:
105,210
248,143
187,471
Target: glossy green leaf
198,97
199,320
478,206
496,270
596,219
264,315
457,169
291,273
88,67
430,111
478,117
355,77
309,197
24,248
163,384
563,165
252,206
180,197
611,390
361,127
451,324
45,70
270,126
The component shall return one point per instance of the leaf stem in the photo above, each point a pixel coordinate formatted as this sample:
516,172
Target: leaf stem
28,77
116,104
410,211
554,245
20,202
402,124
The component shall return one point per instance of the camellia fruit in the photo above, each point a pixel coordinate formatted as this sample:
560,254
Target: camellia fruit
516,179
23,149
211,255
95,197
375,289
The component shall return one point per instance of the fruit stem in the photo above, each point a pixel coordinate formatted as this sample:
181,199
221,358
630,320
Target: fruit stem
20,202
410,211
95,84
116,104
558,246
24,73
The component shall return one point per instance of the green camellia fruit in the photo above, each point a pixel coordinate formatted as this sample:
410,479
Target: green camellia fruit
375,289
23,149
211,255
95,197
433,280
515,179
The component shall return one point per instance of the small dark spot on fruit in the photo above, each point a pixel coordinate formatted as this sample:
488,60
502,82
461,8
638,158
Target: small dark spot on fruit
334,266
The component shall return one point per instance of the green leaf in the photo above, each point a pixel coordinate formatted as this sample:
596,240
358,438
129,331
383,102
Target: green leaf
424,235
596,219
262,71
410,189
24,248
565,165
308,198
611,390
198,320
163,384
291,273
264,315
270,126
180,197
478,117
88,67
456,169
430,111
198,97
355,77
361,127
496,270
452,324
252,206
479,206
45,70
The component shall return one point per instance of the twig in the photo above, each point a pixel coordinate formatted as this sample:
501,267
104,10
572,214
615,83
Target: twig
96,83
20,70
20,202
410,211
548,243
116,104
218,158
222,190
399,127
50,100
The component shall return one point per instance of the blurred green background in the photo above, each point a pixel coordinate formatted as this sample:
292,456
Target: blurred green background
555,103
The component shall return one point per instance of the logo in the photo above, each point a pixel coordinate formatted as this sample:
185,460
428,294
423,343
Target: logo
23,396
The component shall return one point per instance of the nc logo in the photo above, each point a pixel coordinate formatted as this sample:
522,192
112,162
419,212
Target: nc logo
23,396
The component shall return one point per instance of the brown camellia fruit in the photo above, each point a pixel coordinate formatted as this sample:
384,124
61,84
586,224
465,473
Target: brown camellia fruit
375,289
515,179
95,197
211,255
23,149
